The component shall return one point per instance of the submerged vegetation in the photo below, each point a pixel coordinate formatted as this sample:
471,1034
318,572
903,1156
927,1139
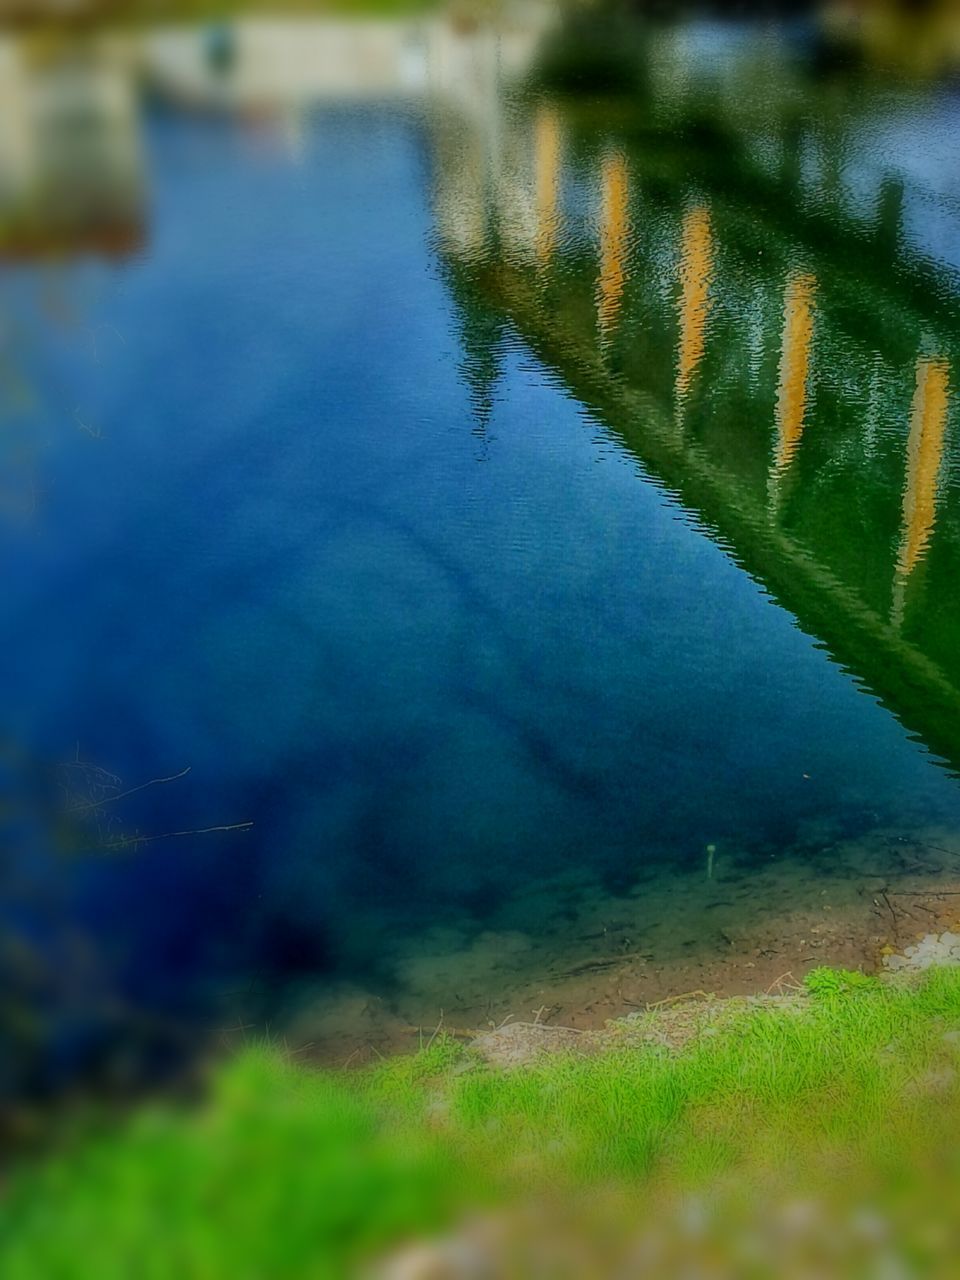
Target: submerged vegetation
288,1171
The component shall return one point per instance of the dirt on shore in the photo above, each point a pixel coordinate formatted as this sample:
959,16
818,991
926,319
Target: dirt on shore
570,955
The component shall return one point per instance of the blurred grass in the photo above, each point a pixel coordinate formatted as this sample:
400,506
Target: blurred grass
42,12
287,1172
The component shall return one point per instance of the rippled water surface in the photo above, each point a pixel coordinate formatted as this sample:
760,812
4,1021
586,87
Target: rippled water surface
500,465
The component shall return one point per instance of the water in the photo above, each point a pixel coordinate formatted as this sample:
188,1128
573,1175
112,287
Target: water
517,477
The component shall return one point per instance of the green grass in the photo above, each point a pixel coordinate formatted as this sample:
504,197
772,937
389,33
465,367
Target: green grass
216,10
51,16
288,1172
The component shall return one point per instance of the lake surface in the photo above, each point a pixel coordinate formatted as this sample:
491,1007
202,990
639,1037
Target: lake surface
507,468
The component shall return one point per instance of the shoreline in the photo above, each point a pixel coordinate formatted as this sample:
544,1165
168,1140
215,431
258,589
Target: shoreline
598,956
790,1115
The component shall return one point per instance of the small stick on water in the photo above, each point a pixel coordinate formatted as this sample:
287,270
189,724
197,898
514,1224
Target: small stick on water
90,768
154,782
173,835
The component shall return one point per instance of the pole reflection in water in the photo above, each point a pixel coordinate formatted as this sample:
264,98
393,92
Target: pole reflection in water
791,411
928,423
696,274
549,150
614,240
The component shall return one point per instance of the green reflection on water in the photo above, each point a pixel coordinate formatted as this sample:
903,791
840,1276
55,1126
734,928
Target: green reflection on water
720,264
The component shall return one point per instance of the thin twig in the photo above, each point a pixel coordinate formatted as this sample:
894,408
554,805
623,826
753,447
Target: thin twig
633,1004
686,995
923,893
535,1026
893,914
172,835
436,1030
91,768
122,795
778,981
292,1053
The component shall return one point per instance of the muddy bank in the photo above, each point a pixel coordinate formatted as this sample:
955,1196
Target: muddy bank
569,953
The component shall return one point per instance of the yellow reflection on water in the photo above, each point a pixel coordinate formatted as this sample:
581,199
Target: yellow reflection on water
928,423
614,239
548,151
696,273
798,316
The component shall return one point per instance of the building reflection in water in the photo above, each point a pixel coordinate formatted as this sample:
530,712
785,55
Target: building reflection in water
496,167
614,240
696,275
928,424
71,170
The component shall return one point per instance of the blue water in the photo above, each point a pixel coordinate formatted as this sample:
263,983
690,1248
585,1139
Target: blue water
435,650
